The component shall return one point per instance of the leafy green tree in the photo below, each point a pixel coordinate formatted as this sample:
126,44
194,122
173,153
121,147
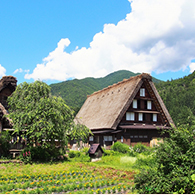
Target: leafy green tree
175,165
45,118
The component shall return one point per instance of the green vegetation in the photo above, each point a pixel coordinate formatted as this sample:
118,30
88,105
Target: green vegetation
65,177
4,144
75,181
168,168
75,92
178,96
174,166
46,121
120,147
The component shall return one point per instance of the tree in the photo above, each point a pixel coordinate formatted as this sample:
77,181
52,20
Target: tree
45,118
175,165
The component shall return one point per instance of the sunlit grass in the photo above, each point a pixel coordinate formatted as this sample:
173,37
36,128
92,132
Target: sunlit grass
128,160
18,169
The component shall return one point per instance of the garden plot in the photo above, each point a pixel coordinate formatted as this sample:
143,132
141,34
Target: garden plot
78,182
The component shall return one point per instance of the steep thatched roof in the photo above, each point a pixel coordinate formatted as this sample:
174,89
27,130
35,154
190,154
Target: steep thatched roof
8,81
104,109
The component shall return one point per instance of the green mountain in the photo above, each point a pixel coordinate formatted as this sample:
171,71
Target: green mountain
75,92
179,98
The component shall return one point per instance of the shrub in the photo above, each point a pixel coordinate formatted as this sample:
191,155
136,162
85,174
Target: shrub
120,147
25,156
74,153
131,152
81,158
38,153
145,162
139,148
175,165
109,152
85,150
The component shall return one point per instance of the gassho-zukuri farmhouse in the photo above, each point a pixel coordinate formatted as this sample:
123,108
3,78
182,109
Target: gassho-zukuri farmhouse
130,111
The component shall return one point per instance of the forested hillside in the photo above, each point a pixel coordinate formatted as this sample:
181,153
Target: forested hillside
75,92
179,98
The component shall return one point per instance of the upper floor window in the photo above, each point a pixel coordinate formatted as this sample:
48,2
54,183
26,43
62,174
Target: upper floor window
134,103
130,116
155,117
142,92
149,105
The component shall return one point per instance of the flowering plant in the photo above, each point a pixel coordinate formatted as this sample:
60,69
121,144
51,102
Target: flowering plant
25,156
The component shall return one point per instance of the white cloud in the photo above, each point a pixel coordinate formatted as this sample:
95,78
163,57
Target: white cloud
2,71
192,67
20,70
158,35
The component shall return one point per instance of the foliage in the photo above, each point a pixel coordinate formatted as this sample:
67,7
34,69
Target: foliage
139,148
120,147
79,156
175,163
109,152
178,96
48,121
145,161
74,153
75,92
25,156
4,143
39,154
85,150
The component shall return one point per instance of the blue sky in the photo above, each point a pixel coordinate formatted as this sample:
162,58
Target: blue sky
57,40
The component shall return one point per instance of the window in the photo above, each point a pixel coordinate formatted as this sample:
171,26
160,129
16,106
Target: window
130,116
134,103
154,117
90,138
107,138
142,92
149,105
140,116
